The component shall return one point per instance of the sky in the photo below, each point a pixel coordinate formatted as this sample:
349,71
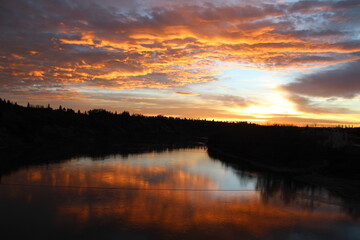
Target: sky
281,61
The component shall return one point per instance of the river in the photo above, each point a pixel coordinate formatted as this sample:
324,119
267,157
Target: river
172,194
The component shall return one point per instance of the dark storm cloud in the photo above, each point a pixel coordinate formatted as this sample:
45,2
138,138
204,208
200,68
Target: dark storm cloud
304,104
335,5
341,82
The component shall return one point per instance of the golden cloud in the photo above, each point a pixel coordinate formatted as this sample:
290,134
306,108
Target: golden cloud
187,93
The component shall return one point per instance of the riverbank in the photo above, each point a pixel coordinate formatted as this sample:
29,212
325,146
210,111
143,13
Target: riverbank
29,155
291,149
283,178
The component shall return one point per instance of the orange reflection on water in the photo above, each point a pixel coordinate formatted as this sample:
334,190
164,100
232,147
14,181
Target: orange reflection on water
153,197
181,211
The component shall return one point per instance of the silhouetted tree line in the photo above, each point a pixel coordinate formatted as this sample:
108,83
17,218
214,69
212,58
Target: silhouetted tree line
42,126
290,149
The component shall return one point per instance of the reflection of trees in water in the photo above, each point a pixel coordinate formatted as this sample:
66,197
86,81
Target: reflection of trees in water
290,191
276,187
39,156
270,186
352,207
284,187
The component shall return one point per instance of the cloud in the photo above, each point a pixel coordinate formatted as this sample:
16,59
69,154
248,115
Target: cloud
304,104
343,81
228,101
43,95
194,112
148,44
302,121
187,93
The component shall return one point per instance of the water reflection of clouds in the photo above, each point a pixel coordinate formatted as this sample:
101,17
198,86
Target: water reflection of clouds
108,193
176,212
192,161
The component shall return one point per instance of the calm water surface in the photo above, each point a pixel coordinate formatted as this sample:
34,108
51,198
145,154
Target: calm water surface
179,194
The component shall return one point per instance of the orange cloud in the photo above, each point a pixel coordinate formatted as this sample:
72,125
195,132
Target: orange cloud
187,93
117,74
37,73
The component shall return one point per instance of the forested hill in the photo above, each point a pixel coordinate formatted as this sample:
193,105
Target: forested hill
39,126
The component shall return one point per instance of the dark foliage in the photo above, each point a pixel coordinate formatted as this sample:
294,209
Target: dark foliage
37,126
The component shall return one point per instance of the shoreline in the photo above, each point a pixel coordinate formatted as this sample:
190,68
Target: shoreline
28,155
316,175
